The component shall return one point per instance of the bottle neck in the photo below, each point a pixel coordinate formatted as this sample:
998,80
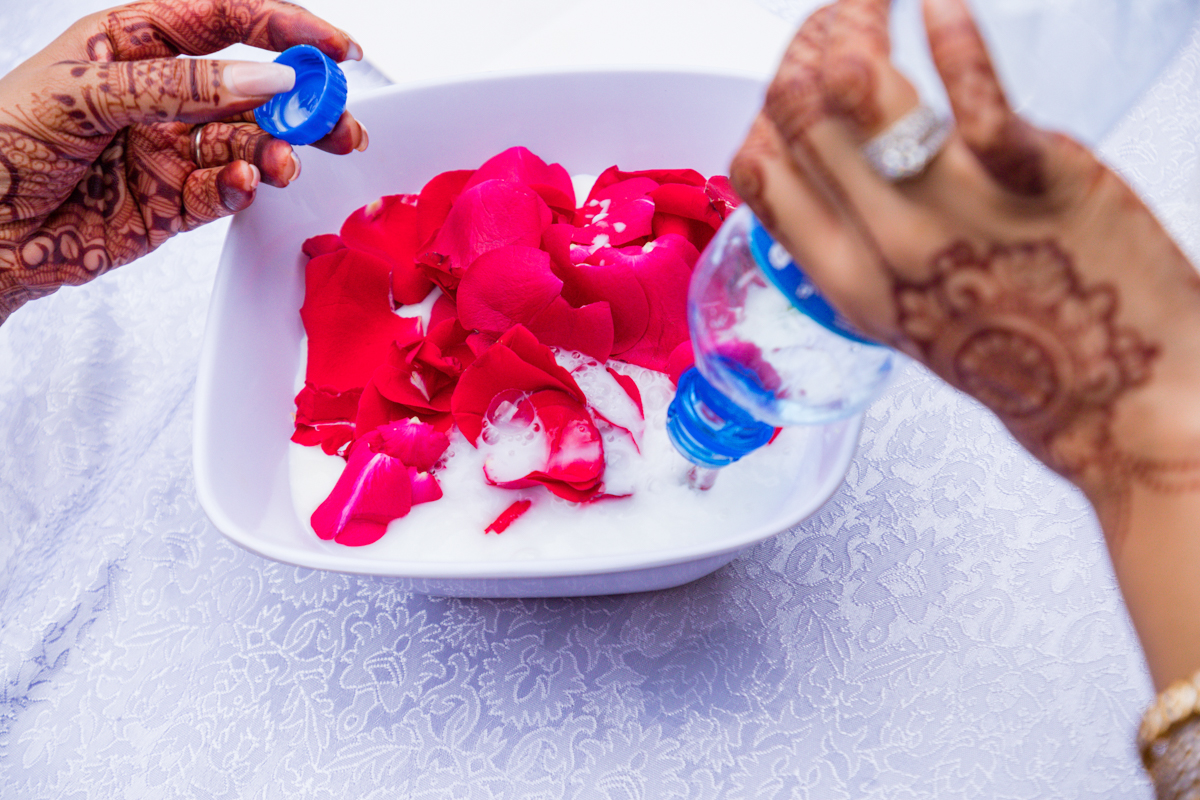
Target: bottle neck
708,428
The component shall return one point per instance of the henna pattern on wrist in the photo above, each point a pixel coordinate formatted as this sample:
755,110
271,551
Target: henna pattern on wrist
1016,328
79,192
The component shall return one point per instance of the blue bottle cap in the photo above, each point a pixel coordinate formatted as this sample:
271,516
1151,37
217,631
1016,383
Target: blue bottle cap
312,107
709,429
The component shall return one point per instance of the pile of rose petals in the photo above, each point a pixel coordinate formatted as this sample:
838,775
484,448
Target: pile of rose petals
521,269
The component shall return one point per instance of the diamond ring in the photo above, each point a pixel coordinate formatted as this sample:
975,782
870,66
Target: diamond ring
905,149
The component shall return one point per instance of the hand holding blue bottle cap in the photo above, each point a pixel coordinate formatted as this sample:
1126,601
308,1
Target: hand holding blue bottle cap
312,107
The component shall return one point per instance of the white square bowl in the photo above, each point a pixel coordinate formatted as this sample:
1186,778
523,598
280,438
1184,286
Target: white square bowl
586,121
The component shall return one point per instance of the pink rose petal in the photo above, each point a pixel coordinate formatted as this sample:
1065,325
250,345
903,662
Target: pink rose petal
416,444
373,490
425,488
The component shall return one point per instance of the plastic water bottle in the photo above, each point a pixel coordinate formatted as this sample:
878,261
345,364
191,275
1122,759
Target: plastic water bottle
770,352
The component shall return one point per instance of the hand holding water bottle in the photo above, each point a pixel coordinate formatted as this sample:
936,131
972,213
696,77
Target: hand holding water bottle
1015,265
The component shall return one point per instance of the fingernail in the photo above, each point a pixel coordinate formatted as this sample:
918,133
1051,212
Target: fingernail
253,79
256,176
365,140
295,167
354,51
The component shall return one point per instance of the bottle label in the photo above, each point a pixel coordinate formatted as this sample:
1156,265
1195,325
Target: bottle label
777,264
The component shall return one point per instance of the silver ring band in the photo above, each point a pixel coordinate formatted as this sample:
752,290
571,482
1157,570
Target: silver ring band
905,149
196,144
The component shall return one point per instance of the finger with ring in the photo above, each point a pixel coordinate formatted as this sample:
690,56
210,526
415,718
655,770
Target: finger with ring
907,147
197,132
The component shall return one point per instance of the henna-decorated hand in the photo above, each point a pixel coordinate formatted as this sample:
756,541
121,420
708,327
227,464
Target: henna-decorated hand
1018,268
97,162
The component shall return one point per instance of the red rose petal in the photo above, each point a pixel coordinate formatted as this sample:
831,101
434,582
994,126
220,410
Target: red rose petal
663,270
556,241
616,194
325,418
387,229
505,287
617,285
489,215
588,329
322,245
332,437
614,175
576,448
508,516
315,405
680,359
526,346
374,409
685,201
373,490
698,232
445,349
348,316
434,203
720,192
575,463
444,308
631,388
519,165
617,214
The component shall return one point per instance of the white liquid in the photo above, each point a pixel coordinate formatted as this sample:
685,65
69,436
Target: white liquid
293,114
662,512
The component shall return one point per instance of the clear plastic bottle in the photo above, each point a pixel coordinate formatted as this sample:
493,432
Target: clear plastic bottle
769,352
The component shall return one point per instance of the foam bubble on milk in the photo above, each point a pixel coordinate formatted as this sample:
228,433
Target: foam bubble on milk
513,441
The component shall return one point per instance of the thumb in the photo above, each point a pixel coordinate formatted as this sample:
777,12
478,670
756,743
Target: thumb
101,98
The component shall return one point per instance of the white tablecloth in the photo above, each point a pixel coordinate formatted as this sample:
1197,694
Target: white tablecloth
947,626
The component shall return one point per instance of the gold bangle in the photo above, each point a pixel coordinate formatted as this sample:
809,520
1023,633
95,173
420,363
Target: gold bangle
1176,703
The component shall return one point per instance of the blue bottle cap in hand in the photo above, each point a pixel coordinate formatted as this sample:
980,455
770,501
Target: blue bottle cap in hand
312,107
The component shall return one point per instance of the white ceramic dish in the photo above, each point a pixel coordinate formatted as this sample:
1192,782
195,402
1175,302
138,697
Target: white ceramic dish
244,391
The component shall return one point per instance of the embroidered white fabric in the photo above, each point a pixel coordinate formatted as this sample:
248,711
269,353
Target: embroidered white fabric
947,626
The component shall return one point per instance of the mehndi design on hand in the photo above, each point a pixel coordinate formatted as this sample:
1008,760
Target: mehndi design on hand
96,163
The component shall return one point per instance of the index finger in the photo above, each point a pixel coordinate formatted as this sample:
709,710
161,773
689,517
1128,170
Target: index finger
166,28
